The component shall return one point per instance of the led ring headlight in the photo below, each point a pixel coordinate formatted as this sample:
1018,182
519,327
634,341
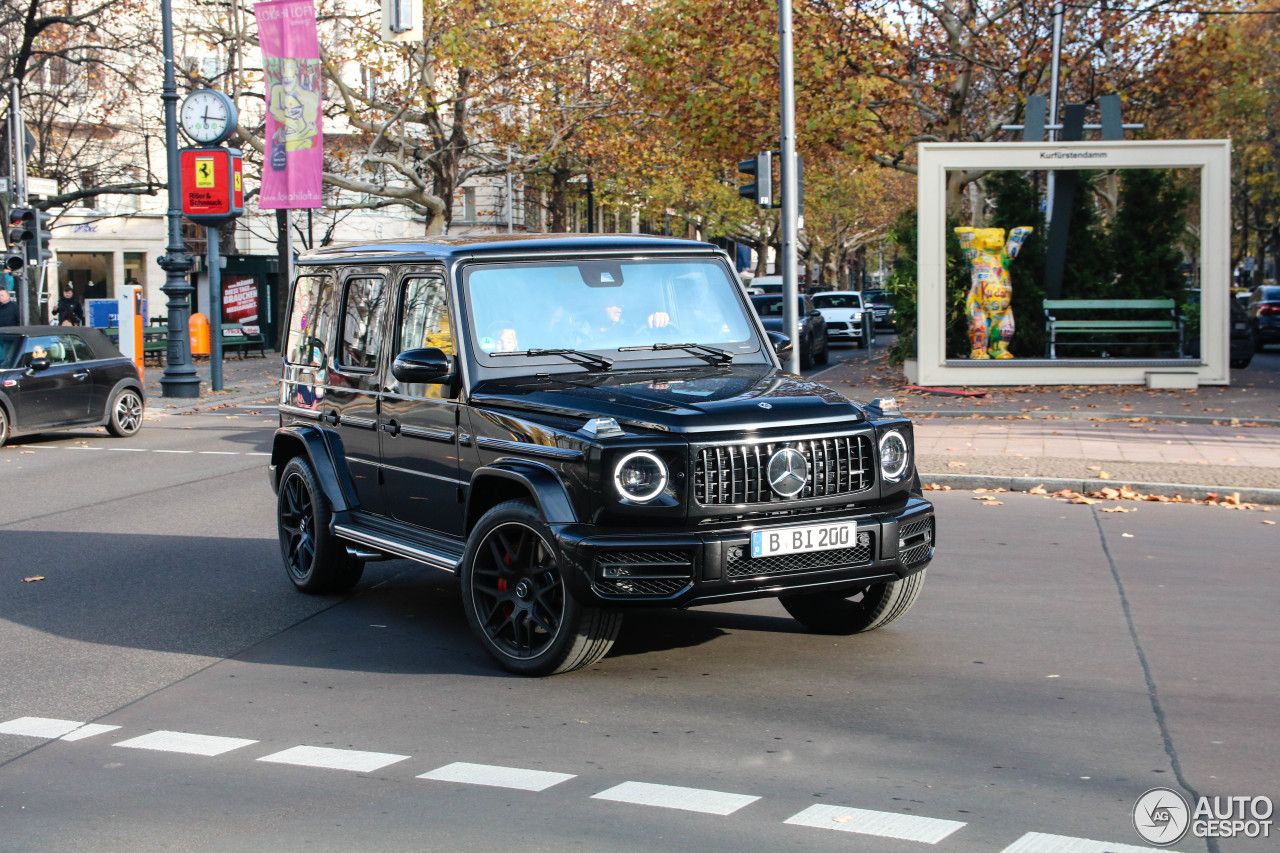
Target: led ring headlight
640,476
893,456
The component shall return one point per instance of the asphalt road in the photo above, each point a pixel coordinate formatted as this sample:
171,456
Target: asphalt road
1061,661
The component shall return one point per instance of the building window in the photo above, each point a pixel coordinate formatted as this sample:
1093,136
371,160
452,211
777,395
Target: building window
469,204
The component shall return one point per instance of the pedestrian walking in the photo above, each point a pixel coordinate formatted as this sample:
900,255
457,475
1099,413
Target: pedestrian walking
9,315
69,311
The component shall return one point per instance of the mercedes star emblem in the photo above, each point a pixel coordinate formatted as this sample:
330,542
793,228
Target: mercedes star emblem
788,472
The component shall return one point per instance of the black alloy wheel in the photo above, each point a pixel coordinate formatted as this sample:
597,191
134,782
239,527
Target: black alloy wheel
126,413
316,561
516,600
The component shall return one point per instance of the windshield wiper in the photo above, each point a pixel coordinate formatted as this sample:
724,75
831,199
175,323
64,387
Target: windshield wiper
715,355
603,362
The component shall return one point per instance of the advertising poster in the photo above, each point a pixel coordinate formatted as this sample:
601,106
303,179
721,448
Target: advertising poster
239,299
291,175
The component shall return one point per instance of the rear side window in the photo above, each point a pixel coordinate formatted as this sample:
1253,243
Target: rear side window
79,347
312,320
362,311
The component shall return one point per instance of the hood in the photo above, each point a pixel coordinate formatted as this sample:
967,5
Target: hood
696,400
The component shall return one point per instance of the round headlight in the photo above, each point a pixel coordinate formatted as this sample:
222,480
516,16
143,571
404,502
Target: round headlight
640,476
893,456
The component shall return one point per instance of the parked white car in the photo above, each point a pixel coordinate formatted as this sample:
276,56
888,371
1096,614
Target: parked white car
848,320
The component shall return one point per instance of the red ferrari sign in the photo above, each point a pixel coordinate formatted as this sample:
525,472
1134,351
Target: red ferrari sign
212,187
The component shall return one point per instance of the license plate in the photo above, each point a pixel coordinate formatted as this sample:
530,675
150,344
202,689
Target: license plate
807,537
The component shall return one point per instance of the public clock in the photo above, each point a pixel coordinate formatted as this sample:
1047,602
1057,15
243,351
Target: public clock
208,116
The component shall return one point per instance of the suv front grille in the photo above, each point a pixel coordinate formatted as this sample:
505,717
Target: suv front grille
738,473
739,566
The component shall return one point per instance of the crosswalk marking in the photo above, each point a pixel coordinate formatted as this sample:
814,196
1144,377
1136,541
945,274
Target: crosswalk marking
88,730
928,830
334,759
39,727
164,741
1041,842
673,797
497,777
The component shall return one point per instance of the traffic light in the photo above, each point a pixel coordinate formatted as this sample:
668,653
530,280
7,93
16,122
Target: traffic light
760,168
39,237
19,228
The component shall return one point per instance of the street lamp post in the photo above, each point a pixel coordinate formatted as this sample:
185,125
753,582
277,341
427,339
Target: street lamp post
179,379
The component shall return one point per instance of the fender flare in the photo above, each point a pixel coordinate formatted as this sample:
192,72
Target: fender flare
546,487
329,464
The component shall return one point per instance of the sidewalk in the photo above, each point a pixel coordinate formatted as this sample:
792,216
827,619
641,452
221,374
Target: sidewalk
1085,438
1091,437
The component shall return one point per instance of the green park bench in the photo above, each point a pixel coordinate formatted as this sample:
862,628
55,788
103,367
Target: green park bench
243,339
1151,321
155,341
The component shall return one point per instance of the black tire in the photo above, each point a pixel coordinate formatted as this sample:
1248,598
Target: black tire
316,561
4,426
125,417
515,598
866,610
825,356
1241,363
806,354
1258,345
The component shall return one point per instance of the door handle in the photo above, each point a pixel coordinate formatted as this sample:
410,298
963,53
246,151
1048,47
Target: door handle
391,428
332,417
80,374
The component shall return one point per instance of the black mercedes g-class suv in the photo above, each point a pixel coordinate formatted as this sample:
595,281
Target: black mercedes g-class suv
579,425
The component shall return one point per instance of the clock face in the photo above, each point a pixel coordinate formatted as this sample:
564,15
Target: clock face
208,116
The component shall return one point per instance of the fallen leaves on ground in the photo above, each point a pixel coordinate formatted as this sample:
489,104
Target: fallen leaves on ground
934,487
33,579
1125,493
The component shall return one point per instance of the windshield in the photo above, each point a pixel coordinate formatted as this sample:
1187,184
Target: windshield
604,306
837,300
878,297
9,346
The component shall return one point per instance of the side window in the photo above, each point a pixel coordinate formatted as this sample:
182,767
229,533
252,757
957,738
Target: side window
424,316
46,346
361,337
79,347
311,321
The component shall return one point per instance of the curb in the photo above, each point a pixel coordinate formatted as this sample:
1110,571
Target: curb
969,414
1023,484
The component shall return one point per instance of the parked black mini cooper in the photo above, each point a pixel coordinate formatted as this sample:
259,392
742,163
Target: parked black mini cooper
580,425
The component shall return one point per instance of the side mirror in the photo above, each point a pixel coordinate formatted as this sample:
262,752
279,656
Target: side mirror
428,364
781,344
38,364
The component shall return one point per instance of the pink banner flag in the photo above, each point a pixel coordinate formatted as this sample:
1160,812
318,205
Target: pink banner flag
294,156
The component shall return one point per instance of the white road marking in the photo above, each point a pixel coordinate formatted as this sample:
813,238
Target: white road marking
928,830
89,730
128,449
219,453
334,759
39,727
187,743
1040,842
173,451
497,777
672,797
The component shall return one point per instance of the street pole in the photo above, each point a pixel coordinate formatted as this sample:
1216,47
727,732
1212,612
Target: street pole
1058,10
215,308
790,204
179,379
18,190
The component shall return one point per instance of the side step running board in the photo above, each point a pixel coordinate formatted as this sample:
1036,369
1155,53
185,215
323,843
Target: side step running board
398,547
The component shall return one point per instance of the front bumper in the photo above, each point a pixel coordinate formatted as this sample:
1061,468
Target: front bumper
839,331
619,567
